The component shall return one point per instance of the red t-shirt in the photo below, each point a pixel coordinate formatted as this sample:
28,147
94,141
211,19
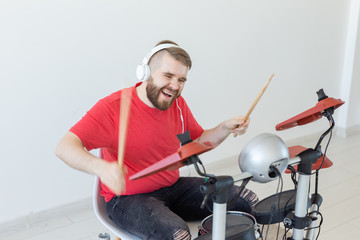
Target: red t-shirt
151,137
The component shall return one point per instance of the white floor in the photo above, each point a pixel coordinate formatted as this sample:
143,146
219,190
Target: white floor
339,186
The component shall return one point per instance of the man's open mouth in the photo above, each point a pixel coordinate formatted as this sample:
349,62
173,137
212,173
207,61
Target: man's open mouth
167,93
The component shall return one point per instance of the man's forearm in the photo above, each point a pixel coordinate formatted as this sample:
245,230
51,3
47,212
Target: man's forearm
219,133
71,150
214,135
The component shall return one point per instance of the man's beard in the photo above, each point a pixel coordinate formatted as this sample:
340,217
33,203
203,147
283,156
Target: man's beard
153,92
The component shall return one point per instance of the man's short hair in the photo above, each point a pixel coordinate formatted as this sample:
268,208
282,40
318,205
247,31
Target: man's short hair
177,52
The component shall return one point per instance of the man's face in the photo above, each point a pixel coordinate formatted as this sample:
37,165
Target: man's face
166,82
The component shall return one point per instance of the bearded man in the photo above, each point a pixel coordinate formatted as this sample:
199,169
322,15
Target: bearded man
155,207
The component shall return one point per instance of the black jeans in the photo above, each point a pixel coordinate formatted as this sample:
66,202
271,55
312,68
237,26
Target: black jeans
157,215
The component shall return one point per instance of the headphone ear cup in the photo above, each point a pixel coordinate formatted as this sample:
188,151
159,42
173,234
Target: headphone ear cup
143,72
146,68
140,72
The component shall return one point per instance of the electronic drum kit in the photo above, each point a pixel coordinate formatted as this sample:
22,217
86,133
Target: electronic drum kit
264,158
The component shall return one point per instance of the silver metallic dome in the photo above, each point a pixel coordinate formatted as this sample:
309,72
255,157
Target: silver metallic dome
260,153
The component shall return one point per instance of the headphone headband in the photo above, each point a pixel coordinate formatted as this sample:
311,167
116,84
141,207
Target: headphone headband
157,49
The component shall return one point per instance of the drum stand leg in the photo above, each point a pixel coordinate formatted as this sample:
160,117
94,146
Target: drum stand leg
301,221
302,200
219,221
219,187
302,203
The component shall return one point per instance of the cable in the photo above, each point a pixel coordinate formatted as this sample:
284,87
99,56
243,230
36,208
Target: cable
285,234
321,222
240,190
262,230
293,176
326,148
322,162
202,165
181,117
279,187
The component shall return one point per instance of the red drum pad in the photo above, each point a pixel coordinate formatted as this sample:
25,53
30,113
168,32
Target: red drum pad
310,115
295,150
175,160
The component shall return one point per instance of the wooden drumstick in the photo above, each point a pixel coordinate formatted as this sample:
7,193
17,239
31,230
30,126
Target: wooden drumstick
125,104
257,100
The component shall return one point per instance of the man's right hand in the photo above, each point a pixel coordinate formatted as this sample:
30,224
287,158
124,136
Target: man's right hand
113,177
71,150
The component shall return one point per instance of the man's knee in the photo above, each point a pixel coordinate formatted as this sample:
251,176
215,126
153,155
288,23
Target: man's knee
249,196
181,234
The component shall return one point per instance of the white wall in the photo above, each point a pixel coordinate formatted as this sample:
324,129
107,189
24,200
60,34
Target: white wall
349,85
354,106
57,58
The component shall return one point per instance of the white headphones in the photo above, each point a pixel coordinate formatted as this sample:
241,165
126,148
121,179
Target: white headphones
143,70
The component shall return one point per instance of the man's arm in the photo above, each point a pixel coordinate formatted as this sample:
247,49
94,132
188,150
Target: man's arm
219,133
71,150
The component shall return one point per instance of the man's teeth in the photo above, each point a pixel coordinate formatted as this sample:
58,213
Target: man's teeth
167,93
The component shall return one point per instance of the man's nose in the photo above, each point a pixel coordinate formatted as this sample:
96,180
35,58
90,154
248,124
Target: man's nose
174,84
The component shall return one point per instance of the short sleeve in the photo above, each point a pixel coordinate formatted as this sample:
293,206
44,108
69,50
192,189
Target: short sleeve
96,129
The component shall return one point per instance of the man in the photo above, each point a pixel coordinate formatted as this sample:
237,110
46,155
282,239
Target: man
152,207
